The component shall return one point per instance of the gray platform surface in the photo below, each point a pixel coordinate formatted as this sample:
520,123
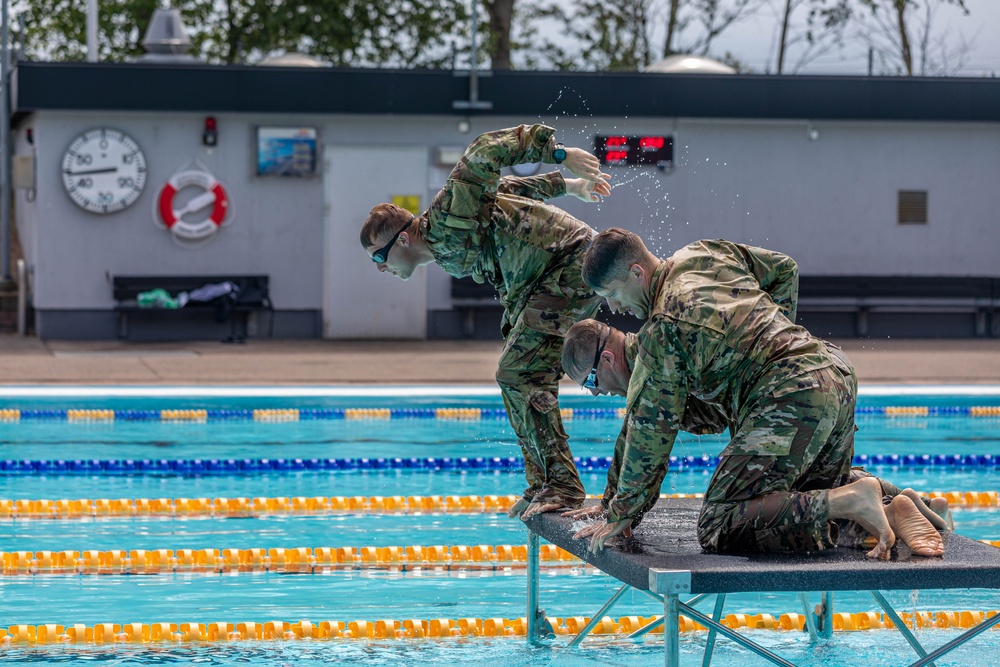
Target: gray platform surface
666,540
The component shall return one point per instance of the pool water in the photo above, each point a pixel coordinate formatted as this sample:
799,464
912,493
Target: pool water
357,593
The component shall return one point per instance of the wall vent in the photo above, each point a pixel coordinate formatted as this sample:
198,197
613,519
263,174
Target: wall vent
912,207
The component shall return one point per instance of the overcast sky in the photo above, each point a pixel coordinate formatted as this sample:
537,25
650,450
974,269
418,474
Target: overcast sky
754,41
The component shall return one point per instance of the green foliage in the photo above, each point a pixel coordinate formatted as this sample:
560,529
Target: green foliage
403,33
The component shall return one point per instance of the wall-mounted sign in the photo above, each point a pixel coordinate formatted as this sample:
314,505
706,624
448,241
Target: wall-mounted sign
103,170
193,205
621,150
286,151
409,202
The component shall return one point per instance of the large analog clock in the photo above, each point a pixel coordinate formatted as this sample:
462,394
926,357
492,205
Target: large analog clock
104,170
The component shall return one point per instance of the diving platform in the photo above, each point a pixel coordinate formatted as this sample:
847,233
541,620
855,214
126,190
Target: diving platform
664,559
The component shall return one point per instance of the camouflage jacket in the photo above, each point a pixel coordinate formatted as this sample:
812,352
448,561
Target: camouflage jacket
496,229
700,418
720,330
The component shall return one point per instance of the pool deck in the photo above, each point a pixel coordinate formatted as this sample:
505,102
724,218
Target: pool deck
30,361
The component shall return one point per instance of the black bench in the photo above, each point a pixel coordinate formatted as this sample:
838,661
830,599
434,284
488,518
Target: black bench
838,306
971,304
252,295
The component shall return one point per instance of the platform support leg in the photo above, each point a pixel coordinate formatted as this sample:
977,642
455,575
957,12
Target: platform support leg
826,618
532,587
898,622
671,630
810,617
720,601
596,618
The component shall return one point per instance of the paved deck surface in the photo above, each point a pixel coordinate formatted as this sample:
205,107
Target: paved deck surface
33,361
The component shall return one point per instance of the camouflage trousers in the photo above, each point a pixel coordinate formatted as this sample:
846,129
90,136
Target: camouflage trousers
793,444
528,374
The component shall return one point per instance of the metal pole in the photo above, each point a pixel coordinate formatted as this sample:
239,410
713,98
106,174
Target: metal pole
810,617
474,57
532,587
720,601
671,630
5,142
598,616
898,622
957,641
826,622
735,636
22,298
92,31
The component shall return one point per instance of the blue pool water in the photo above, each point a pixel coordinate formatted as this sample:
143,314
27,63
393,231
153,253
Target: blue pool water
372,594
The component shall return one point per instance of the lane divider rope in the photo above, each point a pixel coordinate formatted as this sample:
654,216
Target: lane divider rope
480,557
320,505
13,467
444,413
393,629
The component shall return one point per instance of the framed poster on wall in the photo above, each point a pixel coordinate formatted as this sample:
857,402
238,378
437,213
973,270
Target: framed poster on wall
286,151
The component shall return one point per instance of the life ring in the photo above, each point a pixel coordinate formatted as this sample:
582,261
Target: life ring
172,218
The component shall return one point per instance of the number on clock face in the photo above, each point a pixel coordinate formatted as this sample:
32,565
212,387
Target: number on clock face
104,170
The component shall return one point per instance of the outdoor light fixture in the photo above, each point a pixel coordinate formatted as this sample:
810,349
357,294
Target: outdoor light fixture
210,136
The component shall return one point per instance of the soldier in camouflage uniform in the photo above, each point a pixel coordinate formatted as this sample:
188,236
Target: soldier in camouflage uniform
500,230
720,327
600,358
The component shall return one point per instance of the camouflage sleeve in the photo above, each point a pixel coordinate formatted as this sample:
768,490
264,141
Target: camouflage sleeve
777,274
657,394
543,187
490,152
616,464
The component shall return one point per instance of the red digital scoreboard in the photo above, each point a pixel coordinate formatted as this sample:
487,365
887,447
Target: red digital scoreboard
620,150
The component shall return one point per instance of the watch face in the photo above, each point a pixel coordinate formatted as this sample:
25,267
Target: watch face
104,170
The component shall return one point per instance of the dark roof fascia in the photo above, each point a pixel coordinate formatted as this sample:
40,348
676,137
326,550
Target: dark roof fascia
257,89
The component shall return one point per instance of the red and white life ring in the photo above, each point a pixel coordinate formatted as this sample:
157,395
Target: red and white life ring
214,194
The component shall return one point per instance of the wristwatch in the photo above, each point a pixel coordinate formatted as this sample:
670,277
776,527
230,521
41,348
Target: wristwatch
559,154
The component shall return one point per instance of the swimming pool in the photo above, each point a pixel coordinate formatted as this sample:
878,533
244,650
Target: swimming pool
167,445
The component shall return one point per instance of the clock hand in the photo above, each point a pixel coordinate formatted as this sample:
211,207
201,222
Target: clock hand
201,201
102,170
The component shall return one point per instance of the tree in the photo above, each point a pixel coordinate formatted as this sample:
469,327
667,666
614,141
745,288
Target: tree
501,17
823,29
403,33
887,28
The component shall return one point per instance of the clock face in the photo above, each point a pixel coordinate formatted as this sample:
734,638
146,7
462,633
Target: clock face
104,170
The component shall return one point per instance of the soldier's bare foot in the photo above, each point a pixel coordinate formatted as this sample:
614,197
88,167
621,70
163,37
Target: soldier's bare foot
940,507
911,527
861,501
937,520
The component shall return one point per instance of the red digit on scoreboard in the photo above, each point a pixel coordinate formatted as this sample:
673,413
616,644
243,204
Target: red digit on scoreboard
616,142
651,143
616,156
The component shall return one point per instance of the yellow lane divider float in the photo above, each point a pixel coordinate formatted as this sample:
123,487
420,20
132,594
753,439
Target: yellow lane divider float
297,559
318,505
392,629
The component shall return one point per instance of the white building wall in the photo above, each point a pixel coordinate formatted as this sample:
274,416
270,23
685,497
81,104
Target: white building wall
829,202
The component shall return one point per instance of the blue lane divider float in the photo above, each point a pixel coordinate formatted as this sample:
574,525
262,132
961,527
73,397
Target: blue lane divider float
449,413
230,467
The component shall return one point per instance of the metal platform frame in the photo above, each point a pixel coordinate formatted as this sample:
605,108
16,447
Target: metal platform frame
667,586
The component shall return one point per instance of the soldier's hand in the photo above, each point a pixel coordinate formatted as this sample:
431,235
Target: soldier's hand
589,191
581,163
606,531
541,508
517,508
